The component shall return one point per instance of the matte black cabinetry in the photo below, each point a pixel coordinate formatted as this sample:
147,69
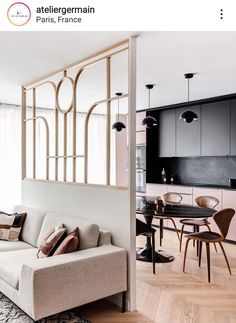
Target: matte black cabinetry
215,121
188,140
233,128
166,133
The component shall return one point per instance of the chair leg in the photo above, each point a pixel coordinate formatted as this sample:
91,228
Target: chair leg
185,253
153,254
210,231
208,261
200,254
176,230
181,237
226,259
194,228
197,230
161,231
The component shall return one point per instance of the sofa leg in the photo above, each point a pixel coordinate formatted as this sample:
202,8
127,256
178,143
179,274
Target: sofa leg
123,308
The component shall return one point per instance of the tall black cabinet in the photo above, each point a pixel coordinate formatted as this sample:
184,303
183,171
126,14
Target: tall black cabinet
216,129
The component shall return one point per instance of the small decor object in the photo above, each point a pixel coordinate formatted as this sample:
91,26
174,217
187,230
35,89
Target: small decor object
12,313
69,244
188,115
118,126
172,179
11,226
51,241
149,121
163,176
159,204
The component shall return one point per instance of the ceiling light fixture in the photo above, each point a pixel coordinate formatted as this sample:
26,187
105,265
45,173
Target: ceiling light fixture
149,121
118,126
188,115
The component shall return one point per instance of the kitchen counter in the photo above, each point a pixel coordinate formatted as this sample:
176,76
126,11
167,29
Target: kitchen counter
198,185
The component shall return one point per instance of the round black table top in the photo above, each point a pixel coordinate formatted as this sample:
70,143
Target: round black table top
177,211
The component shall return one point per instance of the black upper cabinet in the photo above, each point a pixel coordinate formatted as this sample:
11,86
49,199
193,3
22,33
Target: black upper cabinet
215,129
166,133
233,128
188,135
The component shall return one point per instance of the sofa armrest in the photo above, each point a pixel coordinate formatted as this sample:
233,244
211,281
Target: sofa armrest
54,284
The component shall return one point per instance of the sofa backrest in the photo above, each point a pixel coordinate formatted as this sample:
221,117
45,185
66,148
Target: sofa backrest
32,225
88,232
104,237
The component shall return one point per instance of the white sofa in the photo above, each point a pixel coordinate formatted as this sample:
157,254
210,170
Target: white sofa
43,287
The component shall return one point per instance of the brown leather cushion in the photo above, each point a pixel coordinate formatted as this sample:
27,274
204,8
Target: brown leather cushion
204,236
69,244
51,241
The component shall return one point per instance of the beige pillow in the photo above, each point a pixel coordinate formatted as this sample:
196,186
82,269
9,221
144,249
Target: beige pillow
69,244
51,241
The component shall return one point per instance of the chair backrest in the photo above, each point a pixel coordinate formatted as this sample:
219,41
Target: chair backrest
172,197
223,218
207,201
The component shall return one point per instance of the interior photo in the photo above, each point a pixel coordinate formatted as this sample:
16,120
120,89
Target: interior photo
118,177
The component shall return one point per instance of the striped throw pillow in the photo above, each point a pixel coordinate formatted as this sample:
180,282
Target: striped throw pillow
11,226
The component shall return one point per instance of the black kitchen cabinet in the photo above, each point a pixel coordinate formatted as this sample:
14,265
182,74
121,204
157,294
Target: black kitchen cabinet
166,133
188,140
233,128
215,136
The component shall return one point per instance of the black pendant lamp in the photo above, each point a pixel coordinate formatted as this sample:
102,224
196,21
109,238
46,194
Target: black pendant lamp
118,126
149,121
188,115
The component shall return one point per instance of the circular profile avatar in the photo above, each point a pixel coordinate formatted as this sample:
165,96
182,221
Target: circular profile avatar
19,14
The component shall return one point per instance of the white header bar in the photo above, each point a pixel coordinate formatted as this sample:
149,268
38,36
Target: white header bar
112,15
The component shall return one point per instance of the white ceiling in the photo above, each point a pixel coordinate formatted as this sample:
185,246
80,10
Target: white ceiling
162,58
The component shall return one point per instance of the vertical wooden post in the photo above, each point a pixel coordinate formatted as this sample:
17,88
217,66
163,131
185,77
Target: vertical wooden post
23,132
34,133
65,147
47,150
74,136
108,121
56,143
131,171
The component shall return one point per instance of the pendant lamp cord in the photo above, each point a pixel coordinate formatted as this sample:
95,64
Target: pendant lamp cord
149,101
188,90
118,109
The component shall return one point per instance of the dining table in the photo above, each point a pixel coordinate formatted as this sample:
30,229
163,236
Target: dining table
150,211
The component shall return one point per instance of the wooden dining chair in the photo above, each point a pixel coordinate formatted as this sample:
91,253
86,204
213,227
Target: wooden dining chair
143,229
202,201
174,198
222,219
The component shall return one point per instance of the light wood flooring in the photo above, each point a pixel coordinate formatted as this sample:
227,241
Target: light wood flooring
172,296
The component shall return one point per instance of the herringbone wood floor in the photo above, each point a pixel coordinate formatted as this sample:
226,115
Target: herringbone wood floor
172,296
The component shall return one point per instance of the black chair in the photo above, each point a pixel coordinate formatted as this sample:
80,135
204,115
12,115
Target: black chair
143,229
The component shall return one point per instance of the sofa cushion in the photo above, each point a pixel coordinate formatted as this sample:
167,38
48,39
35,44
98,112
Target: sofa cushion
11,226
33,223
69,244
11,264
13,245
88,232
51,241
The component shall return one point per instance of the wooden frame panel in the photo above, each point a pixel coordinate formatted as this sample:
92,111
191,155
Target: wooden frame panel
104,55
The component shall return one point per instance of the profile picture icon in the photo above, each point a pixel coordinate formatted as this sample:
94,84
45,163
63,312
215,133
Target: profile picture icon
19,14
